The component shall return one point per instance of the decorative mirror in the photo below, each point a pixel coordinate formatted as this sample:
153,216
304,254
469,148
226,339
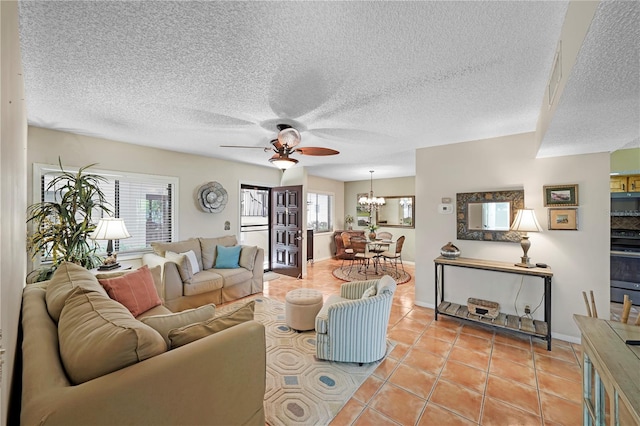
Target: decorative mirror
487,216
397,212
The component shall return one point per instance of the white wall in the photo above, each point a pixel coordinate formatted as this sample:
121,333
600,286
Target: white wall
322,242
192,170
578,259
13,201
383,188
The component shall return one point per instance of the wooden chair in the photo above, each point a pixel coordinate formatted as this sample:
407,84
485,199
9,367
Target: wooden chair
395,256
626,308
362,255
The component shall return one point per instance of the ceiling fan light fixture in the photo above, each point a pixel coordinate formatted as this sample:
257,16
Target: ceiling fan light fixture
289,137
283,163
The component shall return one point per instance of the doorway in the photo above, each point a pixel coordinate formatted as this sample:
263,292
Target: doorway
254,219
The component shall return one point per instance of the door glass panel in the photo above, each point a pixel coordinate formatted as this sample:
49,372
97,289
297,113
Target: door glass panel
254,219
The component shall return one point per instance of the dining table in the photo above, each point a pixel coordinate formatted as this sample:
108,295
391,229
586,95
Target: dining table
378,246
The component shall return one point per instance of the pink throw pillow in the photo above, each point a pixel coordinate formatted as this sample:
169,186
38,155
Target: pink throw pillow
135,290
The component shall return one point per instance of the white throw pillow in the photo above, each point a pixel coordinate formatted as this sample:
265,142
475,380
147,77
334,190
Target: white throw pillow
195,268
184,265
370,292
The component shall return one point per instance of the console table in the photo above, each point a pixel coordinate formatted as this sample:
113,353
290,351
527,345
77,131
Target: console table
528,326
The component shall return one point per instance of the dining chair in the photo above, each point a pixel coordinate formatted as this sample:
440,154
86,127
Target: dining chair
362,255
394,256
348,250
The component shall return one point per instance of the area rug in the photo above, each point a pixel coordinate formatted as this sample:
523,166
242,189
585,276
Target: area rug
346,273
270,276
301,389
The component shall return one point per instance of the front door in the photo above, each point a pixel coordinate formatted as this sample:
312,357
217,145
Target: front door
286,235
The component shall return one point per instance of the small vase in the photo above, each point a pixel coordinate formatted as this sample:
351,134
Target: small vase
372,235
350,228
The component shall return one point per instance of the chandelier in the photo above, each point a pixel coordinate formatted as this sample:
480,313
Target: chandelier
371,203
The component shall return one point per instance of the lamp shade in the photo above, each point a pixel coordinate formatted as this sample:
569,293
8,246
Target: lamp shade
110,228
526,221
283,163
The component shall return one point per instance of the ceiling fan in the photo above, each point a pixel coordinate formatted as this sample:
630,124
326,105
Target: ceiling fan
285,144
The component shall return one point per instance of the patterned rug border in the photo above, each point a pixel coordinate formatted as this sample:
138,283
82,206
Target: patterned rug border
340,273
301,389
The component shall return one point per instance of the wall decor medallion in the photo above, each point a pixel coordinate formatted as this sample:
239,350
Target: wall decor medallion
212,197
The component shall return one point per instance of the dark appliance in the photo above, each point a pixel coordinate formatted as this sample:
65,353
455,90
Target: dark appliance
625,204
625,265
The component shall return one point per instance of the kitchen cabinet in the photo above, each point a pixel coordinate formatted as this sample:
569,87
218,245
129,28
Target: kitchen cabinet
625,183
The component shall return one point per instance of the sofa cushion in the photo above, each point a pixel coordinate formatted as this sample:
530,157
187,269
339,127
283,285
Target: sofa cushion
165,323
184,266
64,281
134,290
99,335
235,276
203,282
248,257
156,273
161,248
227,257
193,262
208,246
190,333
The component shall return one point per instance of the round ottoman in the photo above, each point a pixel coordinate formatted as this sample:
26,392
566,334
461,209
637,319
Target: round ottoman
301,307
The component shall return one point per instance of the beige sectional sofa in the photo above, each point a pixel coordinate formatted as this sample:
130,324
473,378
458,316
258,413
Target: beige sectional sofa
183,289
88,361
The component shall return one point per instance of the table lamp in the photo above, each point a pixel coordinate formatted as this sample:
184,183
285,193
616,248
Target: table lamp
110,228
525,221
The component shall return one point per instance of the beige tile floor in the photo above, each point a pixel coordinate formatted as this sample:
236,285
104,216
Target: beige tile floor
447,372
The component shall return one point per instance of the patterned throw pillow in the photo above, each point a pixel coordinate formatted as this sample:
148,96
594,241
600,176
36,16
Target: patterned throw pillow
135,290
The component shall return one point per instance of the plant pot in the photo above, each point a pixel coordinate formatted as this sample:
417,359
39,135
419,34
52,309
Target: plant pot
372,235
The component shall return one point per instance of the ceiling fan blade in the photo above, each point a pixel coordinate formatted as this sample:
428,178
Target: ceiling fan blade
264,148
311,150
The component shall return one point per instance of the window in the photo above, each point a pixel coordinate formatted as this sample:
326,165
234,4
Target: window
146,203
320,212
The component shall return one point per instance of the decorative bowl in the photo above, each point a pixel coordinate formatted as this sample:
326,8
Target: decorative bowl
450,251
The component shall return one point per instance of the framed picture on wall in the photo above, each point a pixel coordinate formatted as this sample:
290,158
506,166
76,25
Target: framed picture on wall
560,195
362,214
563,219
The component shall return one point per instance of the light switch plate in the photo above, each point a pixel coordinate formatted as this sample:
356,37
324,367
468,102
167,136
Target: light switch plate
445,208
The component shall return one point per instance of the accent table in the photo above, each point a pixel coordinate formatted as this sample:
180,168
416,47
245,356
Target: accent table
530,327
610,385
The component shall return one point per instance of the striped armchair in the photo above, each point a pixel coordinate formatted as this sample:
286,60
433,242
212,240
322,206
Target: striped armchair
352,327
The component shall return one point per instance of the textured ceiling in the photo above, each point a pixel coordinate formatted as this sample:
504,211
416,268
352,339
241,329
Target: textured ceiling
373,80
600,107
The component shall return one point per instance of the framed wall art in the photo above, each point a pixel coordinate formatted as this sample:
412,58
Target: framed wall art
563,219
362,213
560,195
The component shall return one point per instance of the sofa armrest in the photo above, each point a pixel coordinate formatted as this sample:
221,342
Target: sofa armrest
171,280
217,380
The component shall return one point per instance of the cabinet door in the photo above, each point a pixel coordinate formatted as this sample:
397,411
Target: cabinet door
618,183
633,183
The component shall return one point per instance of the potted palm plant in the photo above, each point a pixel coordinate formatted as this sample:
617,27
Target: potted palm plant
61,227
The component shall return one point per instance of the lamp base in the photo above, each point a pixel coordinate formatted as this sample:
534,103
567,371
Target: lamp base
525,265
108,267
